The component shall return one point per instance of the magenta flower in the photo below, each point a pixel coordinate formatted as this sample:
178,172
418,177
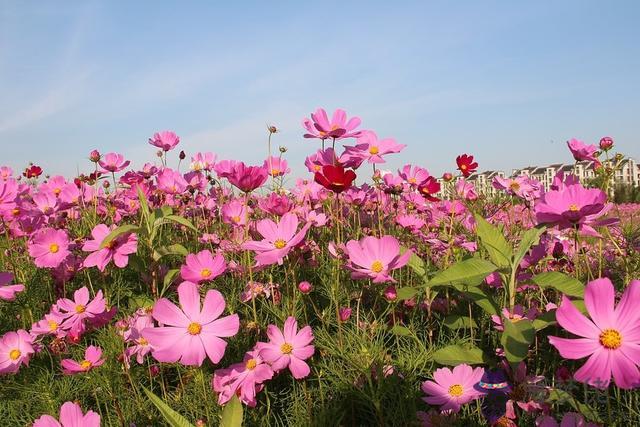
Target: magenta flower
288,348
570,206
15,350
8,292
8,194
166,140
247,178
202,267
117,250
520,186
452,389
171,181
339,128
581,151
611,338
414,175
278,240
139,346
49,247
375,258
369,148
244,379
70,416
235,213
113,162
276,166
50,325
203,161
92,359
191,333
80,308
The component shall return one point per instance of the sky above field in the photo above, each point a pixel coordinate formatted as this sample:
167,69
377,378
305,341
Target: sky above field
506,81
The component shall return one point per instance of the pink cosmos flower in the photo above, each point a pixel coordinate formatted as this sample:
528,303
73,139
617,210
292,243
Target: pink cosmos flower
339,128
235,213
414,175
191,333
375,258
452,389
49,247
8,194
113,162
244,379
171,181
518,314
611,338
139,346
319,159
247,178
520,186
278,240
117,250
70,416
255,289
202,267
203,161
8,292
570,206
276,204
369,148
50,325
15,350
288,348
276,166
92,359
166,140
80,308
581,151
570,419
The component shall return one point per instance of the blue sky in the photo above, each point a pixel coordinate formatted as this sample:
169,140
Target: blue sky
506,81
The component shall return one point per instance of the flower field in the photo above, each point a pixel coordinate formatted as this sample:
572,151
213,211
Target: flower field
195,291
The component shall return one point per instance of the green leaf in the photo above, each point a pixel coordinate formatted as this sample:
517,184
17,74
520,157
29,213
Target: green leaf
406,293
544,320
144,206
168,279
182,221
529,238
470,270
455,322
117,232
173,418
401,331
232,413
453,355
175,249
417,264
480,297
560,282
516,339
492,239
561,396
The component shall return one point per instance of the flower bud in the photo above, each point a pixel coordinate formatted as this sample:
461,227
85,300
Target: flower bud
606,143
94,156
390,293
447,176
345,313
182,155
305,287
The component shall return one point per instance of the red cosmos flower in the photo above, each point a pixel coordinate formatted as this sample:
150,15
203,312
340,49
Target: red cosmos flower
32,171
466,165
428,188
335,178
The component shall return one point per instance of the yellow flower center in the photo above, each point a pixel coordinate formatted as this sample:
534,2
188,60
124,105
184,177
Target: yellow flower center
456,390
412,180
80,308
57,191
286,348
574,208
374,150
317,168
16,212
463,167
235,219
53,248
514,186
85,364
275,171
279,244
14,354
142,341
205,272
611,339
53,326
194,328
377,266
251,364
